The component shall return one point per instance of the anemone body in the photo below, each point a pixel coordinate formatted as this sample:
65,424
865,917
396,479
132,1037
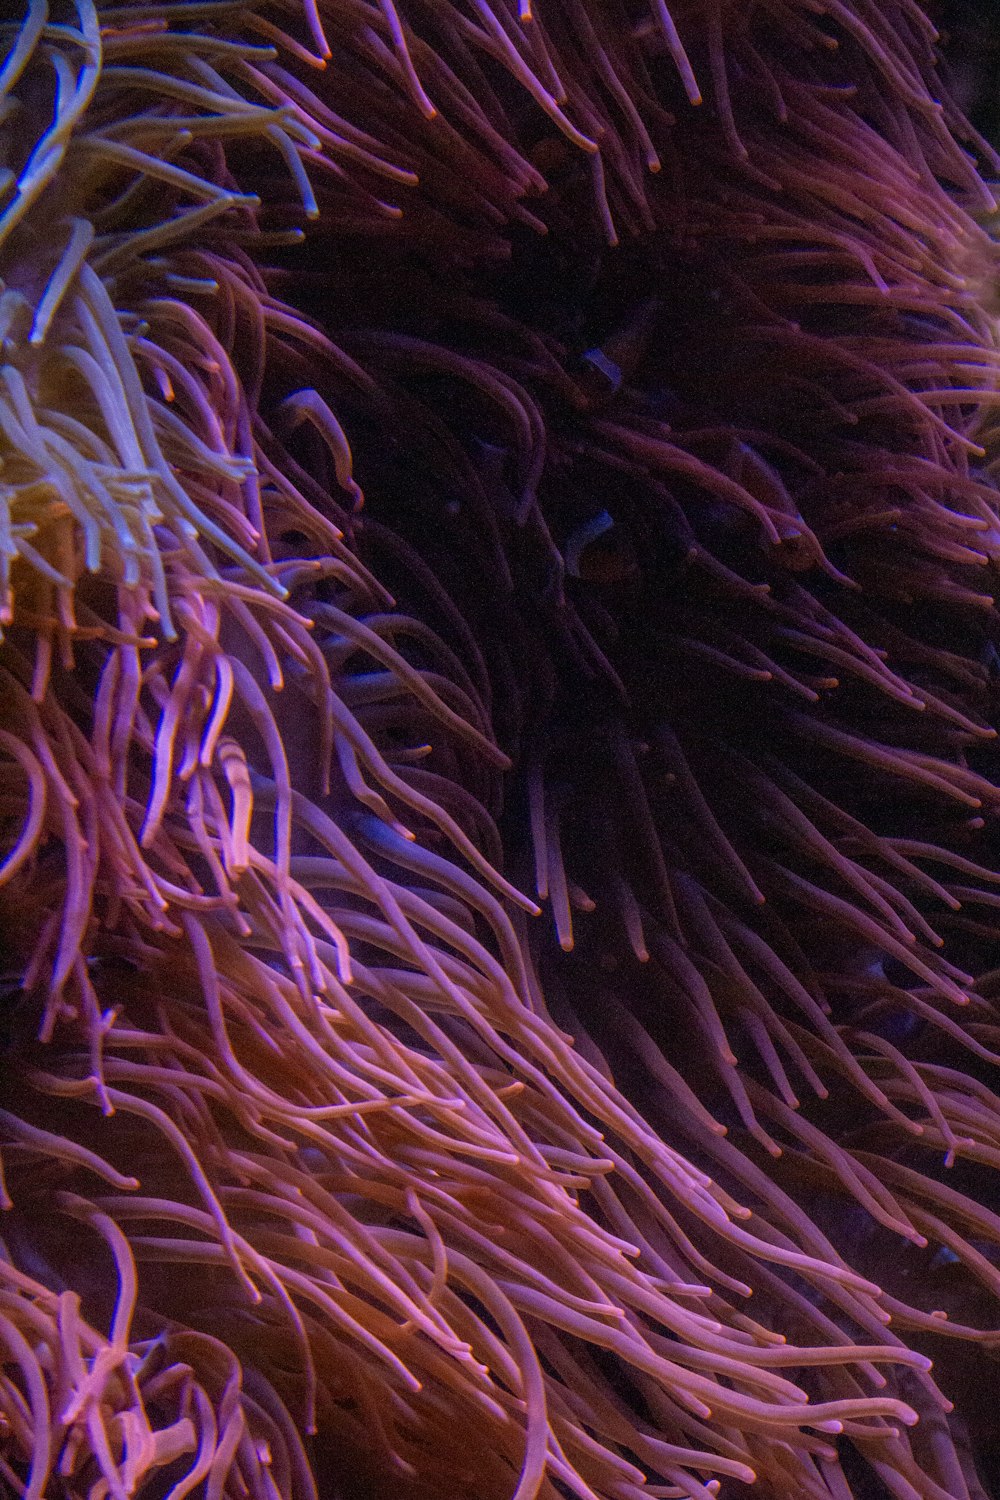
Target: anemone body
497,522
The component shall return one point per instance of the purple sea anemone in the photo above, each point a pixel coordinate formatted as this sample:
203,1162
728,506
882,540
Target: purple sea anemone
497,520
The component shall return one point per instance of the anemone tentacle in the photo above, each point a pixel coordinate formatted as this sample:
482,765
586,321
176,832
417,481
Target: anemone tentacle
447,448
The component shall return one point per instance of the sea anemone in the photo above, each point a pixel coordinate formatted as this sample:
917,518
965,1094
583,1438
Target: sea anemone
450,451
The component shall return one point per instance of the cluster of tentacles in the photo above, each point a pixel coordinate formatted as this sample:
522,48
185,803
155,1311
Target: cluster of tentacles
454,454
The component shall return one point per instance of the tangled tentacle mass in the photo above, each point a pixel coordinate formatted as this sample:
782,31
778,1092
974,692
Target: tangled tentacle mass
498,786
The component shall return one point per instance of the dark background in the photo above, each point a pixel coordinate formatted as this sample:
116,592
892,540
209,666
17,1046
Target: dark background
970,37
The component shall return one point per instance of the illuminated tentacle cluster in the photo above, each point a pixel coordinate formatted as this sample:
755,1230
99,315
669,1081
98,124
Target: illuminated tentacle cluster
672,420
130,1411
